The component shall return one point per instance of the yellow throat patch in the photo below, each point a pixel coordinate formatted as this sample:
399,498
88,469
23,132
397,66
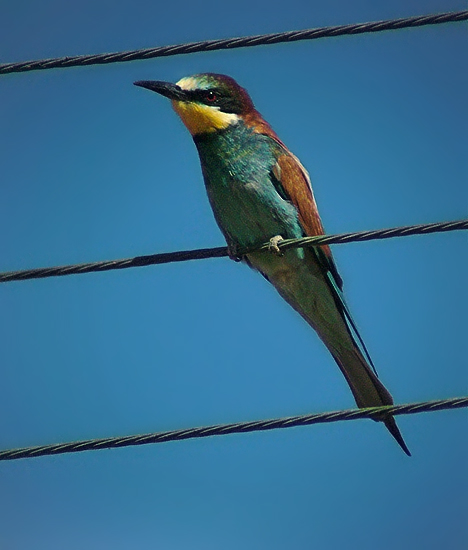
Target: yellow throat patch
200,118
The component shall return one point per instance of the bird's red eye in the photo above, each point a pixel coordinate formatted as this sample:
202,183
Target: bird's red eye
210,96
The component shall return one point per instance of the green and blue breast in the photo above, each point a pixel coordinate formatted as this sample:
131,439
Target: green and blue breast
237,166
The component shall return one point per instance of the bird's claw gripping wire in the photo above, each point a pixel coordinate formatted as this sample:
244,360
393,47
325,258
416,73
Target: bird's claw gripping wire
234,252
273,245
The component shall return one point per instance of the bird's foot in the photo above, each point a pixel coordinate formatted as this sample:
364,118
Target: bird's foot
234,252
273,245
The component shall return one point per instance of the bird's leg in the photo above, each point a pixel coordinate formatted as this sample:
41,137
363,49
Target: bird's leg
233,251
273,245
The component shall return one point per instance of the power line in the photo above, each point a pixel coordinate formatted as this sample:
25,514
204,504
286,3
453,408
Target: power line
231,43
376,413
203,253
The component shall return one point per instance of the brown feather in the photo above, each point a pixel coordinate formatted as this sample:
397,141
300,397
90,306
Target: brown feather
293,177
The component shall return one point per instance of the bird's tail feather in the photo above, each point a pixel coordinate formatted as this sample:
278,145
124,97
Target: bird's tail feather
367,389
305,286
344,344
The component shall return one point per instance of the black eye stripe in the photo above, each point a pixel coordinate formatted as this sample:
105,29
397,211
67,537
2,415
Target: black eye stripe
223,101
205,96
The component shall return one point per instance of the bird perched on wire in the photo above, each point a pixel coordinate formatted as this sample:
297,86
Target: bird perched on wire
260,192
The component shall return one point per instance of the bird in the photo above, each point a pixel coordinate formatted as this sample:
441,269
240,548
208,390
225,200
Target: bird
260,193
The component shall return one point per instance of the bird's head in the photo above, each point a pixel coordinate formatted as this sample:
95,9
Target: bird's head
205,102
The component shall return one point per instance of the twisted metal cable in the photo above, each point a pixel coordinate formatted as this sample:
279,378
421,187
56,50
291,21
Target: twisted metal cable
376,413
203,253
343,238
231,43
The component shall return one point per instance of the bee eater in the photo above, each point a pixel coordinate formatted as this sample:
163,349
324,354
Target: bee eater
260,192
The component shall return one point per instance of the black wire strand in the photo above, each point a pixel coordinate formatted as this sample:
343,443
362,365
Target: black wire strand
204,253
376,413
231,43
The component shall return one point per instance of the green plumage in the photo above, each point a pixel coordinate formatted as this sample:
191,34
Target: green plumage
237,166
258,190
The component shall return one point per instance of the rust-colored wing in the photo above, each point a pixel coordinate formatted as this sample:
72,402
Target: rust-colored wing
294,181
296,184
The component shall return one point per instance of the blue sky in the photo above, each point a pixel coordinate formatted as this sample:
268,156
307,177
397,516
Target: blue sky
94,168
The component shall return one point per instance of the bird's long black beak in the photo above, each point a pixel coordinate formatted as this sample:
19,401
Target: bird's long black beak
167,89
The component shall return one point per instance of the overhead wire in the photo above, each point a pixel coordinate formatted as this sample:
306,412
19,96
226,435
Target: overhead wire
231,43
204,253
376,413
